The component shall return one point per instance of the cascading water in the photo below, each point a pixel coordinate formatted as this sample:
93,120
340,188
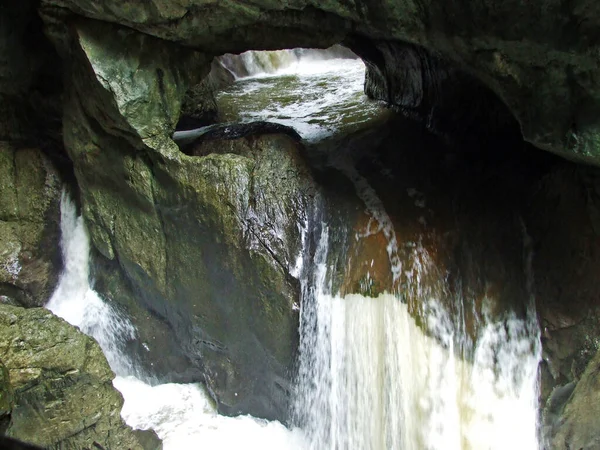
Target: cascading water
76,302
370,376
318,97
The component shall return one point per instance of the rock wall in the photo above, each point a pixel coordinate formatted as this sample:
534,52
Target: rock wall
576,422
156,215
202,246
30,259
30,80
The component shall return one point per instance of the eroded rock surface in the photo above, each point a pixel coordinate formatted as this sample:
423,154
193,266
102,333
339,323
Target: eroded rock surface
181,232
61,385
203,244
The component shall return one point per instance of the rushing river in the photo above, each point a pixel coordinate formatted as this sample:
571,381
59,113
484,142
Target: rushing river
371,377
319,98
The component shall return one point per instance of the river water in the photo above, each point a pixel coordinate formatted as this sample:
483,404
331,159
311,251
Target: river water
370,375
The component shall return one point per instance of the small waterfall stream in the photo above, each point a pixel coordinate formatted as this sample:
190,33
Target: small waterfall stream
370,376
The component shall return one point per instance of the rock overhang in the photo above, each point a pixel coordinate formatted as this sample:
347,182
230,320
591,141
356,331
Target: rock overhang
539,58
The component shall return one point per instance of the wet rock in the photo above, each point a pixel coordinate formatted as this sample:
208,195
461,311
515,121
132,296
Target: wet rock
30,259
425,87
577,427
567,251
199,104
195,142
62,385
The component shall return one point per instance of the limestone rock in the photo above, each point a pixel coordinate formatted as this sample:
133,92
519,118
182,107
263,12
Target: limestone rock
29,226
199,104
62,384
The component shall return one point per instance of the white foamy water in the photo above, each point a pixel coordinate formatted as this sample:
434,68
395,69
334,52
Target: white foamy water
182,415
318,98
76,302
387,385
184,418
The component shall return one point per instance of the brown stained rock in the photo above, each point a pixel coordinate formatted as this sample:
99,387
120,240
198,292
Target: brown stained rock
368,270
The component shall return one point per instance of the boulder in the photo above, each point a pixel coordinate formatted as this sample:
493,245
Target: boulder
30,259
63,395
576,426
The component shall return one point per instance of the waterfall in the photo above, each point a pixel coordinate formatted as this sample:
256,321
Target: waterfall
255,63
372,372
75,301
370,377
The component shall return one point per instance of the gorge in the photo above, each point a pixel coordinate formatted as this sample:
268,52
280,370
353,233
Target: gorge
410,267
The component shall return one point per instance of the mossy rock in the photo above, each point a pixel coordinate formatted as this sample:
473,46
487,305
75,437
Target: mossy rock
63,395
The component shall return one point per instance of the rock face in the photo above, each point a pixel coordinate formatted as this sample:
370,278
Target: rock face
59,385
30,80
199,104
432,90
203,245
29,226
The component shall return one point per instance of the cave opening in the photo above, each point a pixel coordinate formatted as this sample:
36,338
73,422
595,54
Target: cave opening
365,99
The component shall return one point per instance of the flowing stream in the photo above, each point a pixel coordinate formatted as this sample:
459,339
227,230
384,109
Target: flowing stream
370,376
